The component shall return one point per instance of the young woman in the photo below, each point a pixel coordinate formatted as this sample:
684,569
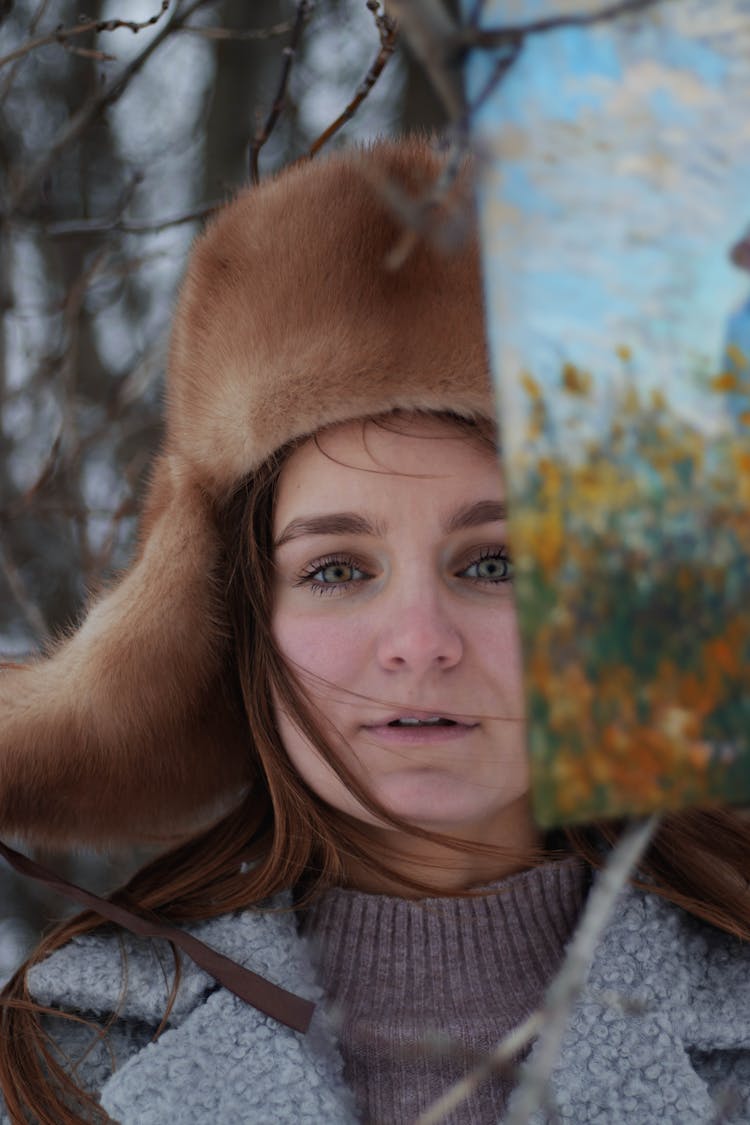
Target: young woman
311,676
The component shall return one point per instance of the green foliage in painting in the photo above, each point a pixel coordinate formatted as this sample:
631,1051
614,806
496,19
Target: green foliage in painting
632,542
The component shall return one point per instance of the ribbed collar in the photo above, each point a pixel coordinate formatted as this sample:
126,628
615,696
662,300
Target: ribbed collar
467,968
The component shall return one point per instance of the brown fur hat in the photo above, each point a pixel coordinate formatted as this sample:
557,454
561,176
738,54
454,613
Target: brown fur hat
289,320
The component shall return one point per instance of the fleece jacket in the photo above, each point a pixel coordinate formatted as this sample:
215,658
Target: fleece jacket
660,1035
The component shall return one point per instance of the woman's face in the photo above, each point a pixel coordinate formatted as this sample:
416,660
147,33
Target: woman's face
394,603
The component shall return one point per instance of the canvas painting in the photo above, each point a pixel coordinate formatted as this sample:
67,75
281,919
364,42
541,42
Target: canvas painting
614,160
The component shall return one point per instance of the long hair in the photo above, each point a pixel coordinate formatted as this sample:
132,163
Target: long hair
282,835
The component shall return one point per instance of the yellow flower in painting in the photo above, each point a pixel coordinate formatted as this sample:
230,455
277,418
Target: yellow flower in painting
540,536
601,488
530,385
575,379
572,781
631,403
742,469
726,381
550,542
737,355
624,352
745,417
551,475
537,419
570,698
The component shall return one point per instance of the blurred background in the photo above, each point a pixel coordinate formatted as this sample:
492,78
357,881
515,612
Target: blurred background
123,123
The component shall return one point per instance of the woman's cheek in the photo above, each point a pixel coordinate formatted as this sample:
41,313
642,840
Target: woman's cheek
328,649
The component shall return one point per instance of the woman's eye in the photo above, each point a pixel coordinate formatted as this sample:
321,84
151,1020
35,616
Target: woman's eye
493,567
336,573
326,576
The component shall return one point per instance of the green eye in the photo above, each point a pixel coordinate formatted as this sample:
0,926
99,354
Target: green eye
332,575
493,567
336,572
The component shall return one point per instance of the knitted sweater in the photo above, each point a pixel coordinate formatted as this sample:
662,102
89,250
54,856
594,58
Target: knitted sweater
669,1049
420,990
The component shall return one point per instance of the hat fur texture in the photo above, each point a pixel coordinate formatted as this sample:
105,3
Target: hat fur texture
289,320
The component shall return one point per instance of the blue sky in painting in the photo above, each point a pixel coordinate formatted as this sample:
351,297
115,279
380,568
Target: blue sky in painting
622,157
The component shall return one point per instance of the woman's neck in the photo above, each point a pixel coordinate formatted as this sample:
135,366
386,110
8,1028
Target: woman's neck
411,866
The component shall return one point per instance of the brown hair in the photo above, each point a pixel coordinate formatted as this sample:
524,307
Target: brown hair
282,835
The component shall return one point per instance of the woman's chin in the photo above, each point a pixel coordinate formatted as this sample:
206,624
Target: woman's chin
438,801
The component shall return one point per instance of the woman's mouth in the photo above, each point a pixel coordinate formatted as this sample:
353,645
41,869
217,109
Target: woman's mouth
417,729
435,721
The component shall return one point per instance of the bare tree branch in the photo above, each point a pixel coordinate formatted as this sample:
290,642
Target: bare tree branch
63,35
493,37
35,21
505,1052
304,9
70,227
388,32
251,34
567,985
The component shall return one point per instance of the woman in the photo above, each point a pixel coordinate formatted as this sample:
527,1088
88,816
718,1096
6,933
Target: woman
317,643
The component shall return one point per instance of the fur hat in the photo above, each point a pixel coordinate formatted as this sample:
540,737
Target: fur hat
288,321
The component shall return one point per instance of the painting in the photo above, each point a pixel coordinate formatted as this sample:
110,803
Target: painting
613,149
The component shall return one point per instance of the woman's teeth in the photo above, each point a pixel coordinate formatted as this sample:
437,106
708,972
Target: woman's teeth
436,721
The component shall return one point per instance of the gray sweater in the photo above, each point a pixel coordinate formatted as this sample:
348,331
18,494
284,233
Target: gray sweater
672,1053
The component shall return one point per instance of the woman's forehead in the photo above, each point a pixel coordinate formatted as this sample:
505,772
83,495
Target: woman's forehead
385,458
398,436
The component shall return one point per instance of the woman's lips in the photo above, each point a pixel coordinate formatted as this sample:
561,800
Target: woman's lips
419,735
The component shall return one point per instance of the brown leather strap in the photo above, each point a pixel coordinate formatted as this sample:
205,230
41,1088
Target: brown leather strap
291,1010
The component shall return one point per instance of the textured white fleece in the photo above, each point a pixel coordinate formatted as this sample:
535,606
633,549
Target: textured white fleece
220,1060
675,1046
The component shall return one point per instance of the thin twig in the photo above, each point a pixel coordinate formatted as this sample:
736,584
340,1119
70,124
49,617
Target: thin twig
569,982
304,8
494,37
387,30
68,447
426,217
247,35
550,1021
506,56
10,76
70,227
498,1057
62,35
89,53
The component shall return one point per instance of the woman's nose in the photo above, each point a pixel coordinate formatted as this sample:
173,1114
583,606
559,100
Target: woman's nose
417,634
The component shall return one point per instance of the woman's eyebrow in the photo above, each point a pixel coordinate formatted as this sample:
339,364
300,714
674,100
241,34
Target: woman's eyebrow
336,523
471,515
350,523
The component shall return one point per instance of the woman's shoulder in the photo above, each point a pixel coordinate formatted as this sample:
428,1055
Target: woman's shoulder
218,1058
661,1031
111,971
652,944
